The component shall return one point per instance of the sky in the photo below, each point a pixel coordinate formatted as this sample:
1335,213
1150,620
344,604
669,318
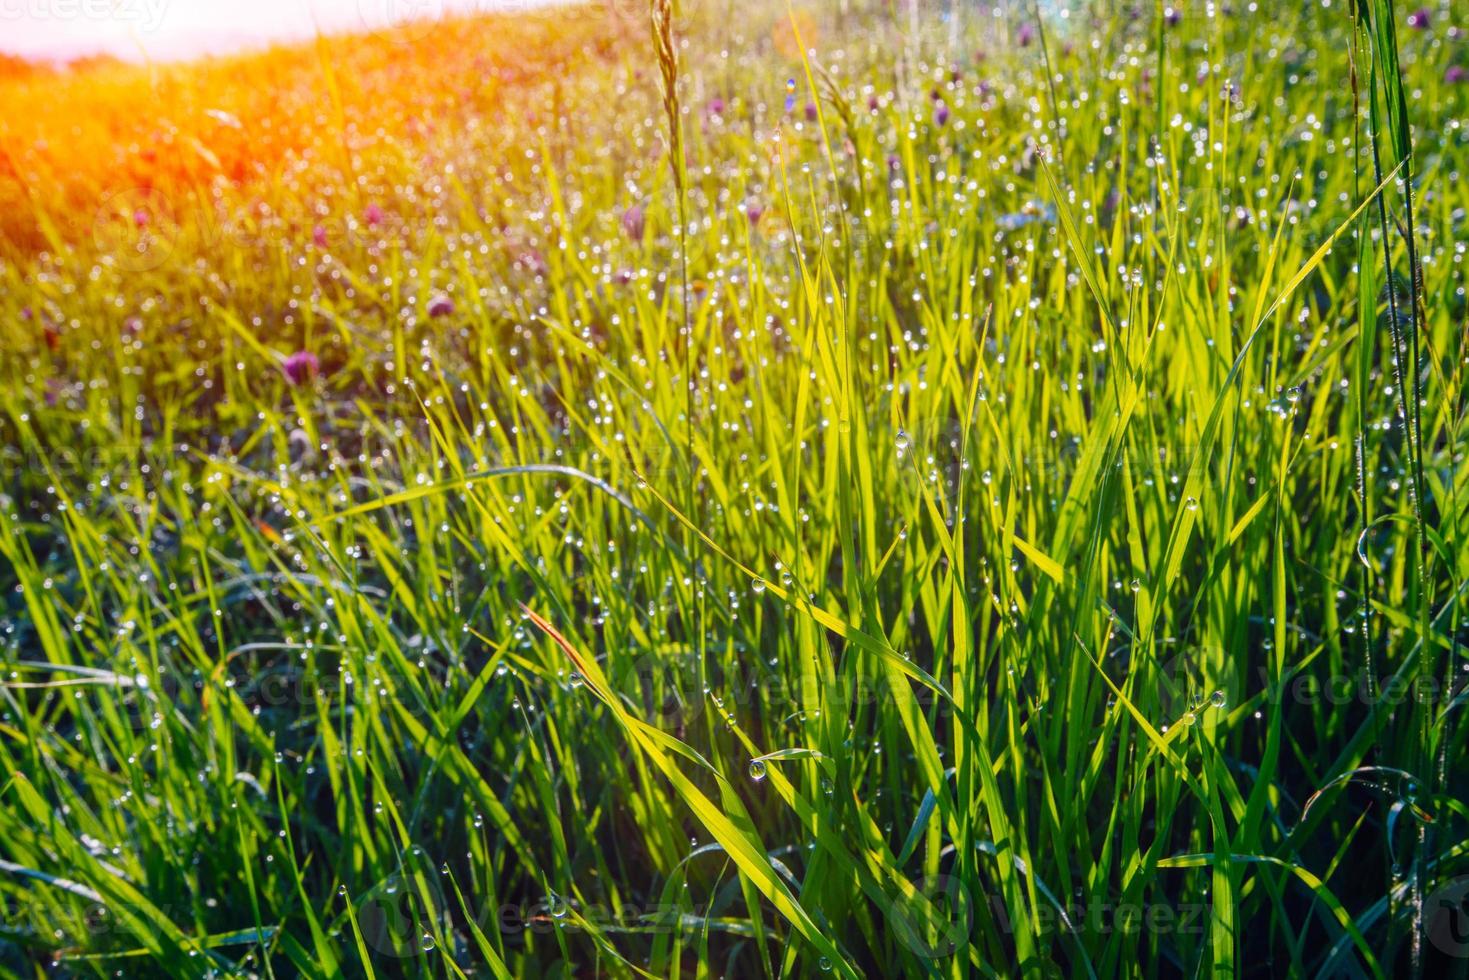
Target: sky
164,30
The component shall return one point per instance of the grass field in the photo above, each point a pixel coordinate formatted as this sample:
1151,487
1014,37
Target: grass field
857,489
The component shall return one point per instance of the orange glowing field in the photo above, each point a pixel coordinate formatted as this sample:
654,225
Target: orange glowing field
286,129
736,489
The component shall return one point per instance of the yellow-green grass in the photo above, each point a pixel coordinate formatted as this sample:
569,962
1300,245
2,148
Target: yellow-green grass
995,534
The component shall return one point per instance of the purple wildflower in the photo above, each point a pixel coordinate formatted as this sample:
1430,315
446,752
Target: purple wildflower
1419,19
940,113
301,367
810,111
440,305
1025,35
1456,74
633,222
532,260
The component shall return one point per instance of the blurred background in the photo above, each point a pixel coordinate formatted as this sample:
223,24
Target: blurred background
152,30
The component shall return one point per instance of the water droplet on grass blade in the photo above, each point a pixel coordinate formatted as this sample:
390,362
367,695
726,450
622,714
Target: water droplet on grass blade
757,769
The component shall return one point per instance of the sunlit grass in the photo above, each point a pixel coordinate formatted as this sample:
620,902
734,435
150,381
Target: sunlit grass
1007,548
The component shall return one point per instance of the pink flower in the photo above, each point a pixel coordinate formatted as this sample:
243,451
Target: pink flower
1025,35
440,305
318,236
634,222
753,212
301,367
140,217
531,259
373,215
1456,74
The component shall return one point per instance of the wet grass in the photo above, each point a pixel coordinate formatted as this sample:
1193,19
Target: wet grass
1011,523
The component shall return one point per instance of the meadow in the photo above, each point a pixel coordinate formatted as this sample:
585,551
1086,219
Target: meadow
742,490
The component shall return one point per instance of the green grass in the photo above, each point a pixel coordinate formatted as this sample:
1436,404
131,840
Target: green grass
1028,541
